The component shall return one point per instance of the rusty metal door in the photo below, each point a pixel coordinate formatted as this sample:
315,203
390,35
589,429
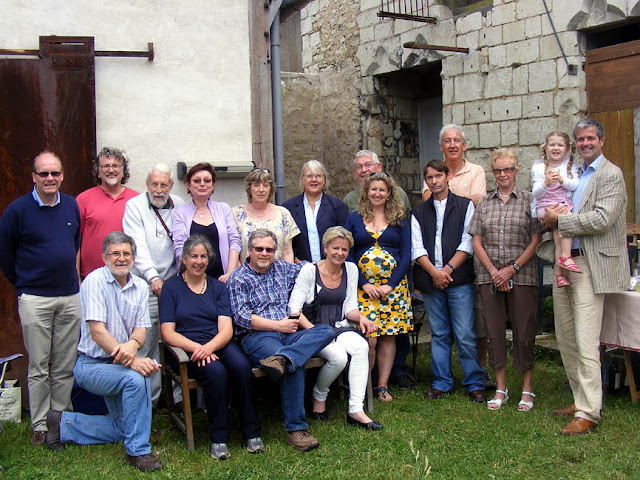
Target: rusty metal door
46,103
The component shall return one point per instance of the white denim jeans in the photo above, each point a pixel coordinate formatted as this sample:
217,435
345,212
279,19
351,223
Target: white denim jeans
336,354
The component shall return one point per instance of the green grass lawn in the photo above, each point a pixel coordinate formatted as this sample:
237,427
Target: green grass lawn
461,440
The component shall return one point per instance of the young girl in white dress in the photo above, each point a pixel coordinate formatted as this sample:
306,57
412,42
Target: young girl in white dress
555,178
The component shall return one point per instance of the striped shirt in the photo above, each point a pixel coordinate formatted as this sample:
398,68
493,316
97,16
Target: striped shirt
121,308
263,294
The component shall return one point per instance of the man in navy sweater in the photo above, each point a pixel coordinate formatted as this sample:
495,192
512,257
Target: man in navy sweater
39,240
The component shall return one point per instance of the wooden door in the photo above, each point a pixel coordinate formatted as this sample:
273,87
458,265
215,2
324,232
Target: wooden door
46,103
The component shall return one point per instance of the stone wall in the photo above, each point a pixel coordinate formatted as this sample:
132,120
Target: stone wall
509,90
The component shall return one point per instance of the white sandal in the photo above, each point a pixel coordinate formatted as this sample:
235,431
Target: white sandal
529,405
498,402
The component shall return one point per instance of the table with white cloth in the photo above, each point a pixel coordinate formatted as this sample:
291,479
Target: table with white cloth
621,328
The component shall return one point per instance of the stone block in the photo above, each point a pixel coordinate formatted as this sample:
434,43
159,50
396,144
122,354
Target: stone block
368,18
457,113
533,130
471,40
506,108
365,4
493,35
383,30
366,86
537,105
498,83
471,131
468,87
566,123
446,114
471,62
313,8
525,51
304,12
367,34
481,157
498,56
549,47
571,81
533,26
314,39
514,31
543,76
530,8
447,92
477,112
469,23
521,80
570,102
509,133
489,135
306,25
505,13
452,65
307,56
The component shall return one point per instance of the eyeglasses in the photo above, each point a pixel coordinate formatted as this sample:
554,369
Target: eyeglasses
368,166
264,249
261,170
198,181
117,255
112,166
46,174
498,171
314,176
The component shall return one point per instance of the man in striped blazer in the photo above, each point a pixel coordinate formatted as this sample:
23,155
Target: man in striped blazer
597,223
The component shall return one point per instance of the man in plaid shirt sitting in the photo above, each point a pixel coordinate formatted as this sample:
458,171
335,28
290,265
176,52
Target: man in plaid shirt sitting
259,291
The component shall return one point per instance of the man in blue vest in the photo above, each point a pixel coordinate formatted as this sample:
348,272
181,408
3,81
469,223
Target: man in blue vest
441,249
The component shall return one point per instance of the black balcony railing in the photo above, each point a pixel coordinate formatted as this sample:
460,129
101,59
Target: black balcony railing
416,10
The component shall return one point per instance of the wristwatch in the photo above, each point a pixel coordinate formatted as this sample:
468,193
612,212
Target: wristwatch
516,267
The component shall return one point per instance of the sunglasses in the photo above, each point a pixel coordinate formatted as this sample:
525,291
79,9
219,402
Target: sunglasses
497,171
46,174
264,249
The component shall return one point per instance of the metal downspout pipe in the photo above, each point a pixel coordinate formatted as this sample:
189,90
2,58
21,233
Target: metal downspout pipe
276,102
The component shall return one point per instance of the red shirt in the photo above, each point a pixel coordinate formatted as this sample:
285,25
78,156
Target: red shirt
100,214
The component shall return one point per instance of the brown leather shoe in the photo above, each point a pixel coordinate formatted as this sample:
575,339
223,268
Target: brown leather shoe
435,394
302,440
477,396
578,426
570,410
38,438
273,366
144,463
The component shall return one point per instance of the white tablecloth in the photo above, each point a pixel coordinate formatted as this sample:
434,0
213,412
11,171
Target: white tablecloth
621,320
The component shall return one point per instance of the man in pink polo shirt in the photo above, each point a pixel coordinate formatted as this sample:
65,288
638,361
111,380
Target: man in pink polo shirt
465,180
102,207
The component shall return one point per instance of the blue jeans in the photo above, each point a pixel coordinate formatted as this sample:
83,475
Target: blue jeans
297,348
128,397
450,310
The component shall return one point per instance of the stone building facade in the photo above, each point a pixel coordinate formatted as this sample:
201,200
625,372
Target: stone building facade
518,81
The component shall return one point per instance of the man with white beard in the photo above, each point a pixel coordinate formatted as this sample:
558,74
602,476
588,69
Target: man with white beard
102,207
148,218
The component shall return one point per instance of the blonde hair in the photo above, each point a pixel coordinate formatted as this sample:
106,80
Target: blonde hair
503,152
393,208
571,149
259,175
316,168
333,233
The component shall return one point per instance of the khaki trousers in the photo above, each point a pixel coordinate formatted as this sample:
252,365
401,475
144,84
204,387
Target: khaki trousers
50,330
578,317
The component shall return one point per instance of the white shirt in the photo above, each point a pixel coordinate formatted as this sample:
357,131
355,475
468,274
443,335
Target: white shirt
311,217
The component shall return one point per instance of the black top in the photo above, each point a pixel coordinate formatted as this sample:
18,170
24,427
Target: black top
211,232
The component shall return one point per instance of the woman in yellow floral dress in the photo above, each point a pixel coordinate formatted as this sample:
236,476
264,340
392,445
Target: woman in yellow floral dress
382,251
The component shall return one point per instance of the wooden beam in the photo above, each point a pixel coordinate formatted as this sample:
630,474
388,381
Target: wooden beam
424,46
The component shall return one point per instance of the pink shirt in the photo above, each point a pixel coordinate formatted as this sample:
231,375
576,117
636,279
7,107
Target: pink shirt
99,216
470,180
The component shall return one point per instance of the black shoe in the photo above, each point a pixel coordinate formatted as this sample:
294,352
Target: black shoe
53,433
477,396
321,416
489,384
372,425
435,394
403,382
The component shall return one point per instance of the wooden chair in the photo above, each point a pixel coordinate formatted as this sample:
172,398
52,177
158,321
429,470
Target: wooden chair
185,421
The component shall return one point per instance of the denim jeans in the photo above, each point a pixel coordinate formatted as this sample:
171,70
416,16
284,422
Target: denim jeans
450,310
128,397
297,348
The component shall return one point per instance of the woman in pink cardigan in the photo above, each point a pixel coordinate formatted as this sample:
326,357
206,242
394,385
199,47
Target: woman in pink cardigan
212,219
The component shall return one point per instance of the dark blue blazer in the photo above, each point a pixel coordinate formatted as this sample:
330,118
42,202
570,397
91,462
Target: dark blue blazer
332,213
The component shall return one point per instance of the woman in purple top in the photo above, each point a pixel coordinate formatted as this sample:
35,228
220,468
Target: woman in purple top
195,315
212,219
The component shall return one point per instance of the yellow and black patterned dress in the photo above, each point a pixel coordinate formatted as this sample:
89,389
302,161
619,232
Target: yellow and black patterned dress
393,313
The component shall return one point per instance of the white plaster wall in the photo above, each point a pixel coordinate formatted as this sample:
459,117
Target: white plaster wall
191,104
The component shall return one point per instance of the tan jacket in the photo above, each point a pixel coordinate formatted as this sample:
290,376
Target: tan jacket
601,225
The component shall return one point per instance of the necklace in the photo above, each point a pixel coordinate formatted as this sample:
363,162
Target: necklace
503,195
204,285
332,277
258,214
